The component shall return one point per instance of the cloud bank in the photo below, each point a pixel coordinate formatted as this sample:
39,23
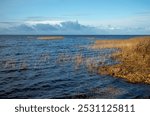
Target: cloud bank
66,28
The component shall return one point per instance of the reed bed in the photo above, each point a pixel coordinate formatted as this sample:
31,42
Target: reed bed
134,55
51,38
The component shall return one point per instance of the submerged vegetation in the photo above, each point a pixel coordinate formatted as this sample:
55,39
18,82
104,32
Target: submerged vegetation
133,55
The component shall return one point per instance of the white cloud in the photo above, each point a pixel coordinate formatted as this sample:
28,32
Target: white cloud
51,22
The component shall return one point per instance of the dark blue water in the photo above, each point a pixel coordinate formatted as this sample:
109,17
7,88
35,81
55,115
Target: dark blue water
32,68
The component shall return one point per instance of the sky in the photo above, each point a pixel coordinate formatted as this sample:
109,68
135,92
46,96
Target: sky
105,16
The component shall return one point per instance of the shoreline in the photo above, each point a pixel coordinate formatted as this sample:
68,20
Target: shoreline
133,55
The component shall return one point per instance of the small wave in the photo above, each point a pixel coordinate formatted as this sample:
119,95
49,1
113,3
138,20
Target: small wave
78,96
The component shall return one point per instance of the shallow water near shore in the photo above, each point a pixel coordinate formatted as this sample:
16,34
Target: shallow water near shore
33,68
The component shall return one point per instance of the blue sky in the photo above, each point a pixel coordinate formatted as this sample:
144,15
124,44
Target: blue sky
97,13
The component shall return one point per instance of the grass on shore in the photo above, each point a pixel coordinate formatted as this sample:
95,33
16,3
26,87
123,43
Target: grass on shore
134,55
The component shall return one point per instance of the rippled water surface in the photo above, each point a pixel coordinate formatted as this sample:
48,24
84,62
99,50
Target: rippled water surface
33,68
